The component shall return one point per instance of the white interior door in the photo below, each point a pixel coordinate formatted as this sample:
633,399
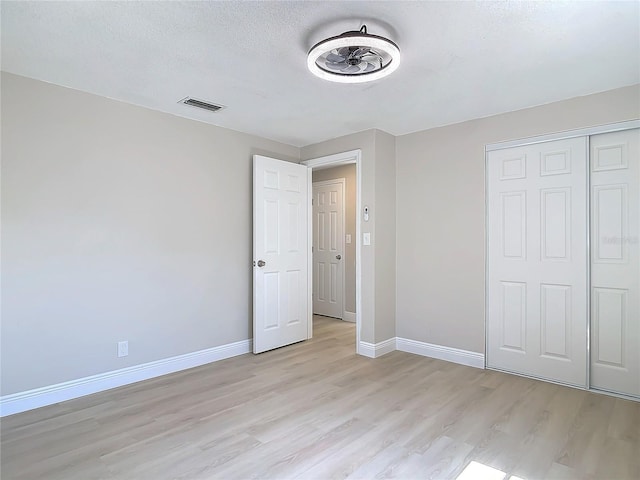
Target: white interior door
328,248
615,262
281,253
537,260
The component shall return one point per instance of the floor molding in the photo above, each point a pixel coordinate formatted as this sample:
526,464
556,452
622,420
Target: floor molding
40,397
349,317
375,350
450,354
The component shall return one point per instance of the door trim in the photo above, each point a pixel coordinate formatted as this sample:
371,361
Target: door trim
346,158
579,132
343,184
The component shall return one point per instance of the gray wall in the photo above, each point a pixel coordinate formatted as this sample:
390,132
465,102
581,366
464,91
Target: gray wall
348,172
385,236
440,212
118,223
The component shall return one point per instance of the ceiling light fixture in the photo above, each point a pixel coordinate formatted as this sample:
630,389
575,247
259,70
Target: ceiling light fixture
354,57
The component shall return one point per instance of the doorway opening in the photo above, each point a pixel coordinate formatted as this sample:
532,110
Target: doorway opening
337,282
333,217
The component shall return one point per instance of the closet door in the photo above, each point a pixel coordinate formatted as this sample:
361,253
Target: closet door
615,262
537,260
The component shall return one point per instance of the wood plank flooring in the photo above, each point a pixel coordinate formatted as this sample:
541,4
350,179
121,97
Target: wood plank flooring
316,410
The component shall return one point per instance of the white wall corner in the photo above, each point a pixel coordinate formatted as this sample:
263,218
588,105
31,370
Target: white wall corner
349,316
449,354
375,350
40,397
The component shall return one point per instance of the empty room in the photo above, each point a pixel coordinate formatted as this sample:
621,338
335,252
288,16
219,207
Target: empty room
320,240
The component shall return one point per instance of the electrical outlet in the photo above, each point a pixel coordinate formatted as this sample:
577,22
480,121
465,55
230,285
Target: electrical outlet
123,348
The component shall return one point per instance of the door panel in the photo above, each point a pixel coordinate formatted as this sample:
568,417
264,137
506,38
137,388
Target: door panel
281,252
555,320
328,248
513,316
615,262
514,231
537,260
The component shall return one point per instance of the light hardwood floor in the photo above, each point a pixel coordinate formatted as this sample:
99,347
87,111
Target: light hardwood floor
316,410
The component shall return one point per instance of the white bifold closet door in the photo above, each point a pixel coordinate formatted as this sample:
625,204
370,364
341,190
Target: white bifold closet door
537,260
615,262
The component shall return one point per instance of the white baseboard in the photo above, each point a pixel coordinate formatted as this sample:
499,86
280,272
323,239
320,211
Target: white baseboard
349,316
39,397
375,350
450,354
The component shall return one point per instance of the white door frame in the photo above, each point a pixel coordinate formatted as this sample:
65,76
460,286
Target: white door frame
345,158
343,184
579,132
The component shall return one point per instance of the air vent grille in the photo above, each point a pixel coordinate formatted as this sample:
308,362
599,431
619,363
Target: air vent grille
212,107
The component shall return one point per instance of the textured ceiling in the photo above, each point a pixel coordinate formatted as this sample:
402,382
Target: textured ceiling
460,60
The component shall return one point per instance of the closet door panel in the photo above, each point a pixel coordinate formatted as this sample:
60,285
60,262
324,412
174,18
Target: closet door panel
537,260
615,262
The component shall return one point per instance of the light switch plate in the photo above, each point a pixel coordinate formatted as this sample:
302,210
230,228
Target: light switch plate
123,348
366,238
348,238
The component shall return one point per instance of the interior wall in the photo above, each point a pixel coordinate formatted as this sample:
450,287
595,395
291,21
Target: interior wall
348,172
385,236
118,223
441,212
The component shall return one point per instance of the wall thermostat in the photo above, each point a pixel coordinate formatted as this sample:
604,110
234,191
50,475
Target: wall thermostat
366,213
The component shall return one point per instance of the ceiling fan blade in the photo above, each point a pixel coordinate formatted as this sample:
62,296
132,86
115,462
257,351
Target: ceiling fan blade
336,66
333,58
369,67
361,51
351,69
344,52
371,57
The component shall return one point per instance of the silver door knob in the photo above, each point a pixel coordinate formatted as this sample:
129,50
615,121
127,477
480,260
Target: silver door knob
338,257
261,263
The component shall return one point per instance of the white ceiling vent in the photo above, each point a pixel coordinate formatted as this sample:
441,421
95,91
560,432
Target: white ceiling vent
193,102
